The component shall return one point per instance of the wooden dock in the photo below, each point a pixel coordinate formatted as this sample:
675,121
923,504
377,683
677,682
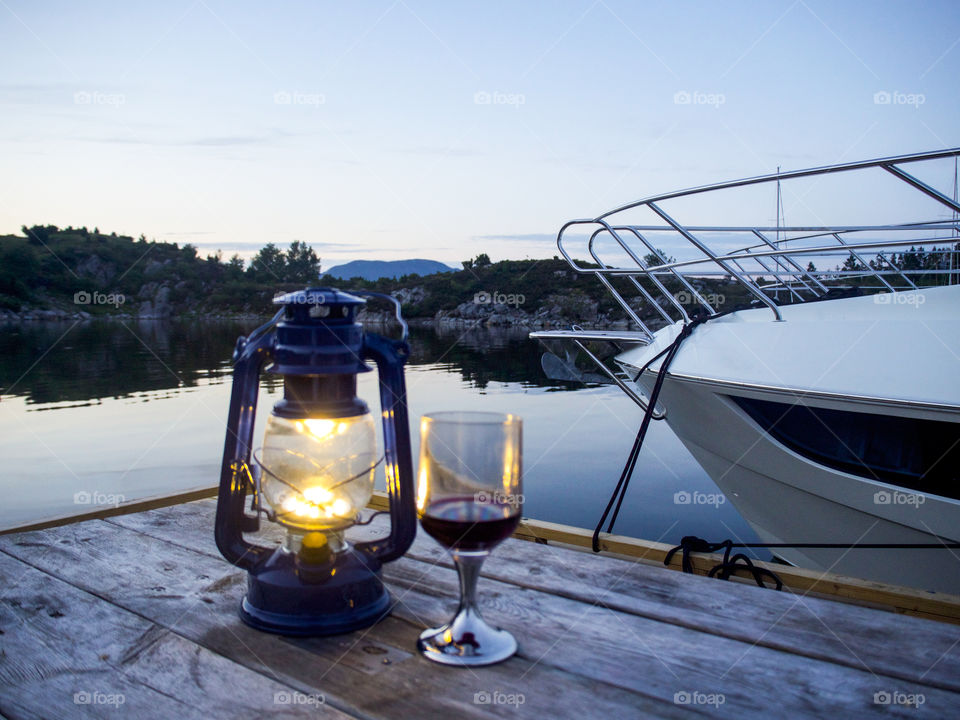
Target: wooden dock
135,616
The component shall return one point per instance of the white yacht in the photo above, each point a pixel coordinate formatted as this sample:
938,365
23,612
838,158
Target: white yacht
829,410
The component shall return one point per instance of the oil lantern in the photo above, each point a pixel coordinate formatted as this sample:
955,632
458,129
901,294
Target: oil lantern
315,469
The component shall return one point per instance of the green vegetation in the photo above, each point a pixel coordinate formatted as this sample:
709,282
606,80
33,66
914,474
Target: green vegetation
52,267
535,280
74,269
533,284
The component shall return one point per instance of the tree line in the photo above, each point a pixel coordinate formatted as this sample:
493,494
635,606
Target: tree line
47,265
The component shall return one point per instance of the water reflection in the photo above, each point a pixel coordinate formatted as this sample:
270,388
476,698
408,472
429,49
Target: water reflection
97,438
86,361
70,364
484,355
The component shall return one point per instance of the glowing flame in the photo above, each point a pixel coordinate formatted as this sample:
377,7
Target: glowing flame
318,427
317,502
318,495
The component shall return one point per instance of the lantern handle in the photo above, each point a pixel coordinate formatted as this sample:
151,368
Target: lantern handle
251,355
390,357
405,329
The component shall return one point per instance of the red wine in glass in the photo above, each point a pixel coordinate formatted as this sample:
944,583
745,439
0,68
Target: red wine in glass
469,495
467,524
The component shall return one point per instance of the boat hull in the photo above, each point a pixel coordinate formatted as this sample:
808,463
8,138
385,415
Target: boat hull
789,497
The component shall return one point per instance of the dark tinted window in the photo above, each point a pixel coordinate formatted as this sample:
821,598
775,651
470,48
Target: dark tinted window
923,455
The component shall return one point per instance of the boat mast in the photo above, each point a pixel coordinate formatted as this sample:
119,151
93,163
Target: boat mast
779,218
780,203
956,230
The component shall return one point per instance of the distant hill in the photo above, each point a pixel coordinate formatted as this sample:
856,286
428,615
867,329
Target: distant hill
377,269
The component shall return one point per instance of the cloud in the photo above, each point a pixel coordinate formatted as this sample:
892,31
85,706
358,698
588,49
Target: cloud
578,164
206,141
39,93
227,141
442,151
210,246
366,250
522,237
335,244
254,245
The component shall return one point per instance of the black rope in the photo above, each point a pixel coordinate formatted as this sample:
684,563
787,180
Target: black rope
620,490
728,566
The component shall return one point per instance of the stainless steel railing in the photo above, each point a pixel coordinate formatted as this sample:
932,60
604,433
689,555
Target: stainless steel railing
771,269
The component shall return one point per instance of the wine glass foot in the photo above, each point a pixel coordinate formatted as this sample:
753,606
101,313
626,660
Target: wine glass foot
466,641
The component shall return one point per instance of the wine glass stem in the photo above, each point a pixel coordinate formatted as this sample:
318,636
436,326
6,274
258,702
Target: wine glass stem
468,568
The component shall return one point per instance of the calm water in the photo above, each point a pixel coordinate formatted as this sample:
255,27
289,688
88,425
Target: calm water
99,411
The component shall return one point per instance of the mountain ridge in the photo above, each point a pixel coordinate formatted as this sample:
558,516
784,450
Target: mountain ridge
377,269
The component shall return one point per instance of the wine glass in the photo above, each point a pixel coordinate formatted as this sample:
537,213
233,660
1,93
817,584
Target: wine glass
469,500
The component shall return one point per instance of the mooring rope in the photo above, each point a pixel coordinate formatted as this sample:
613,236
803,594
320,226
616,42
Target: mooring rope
728,566
620,490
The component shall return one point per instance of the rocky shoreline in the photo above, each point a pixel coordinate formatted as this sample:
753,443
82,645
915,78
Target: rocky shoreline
54,315
496,318
37,315
559,310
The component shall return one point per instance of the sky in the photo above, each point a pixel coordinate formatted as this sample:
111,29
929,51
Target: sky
398,129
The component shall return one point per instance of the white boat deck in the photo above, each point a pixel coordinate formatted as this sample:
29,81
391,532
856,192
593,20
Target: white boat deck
888,347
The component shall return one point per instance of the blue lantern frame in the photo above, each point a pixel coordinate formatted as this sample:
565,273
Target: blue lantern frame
319,348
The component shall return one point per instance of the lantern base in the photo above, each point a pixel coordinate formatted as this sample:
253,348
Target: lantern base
288,596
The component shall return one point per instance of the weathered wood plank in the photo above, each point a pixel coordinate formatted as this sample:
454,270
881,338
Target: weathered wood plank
126,508
845,634
67,653
554,629
932,605
601,643
196,597
819,628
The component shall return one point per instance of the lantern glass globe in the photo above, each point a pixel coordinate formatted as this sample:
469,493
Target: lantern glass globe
318,472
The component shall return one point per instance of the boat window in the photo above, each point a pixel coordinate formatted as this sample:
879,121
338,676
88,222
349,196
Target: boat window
923,455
